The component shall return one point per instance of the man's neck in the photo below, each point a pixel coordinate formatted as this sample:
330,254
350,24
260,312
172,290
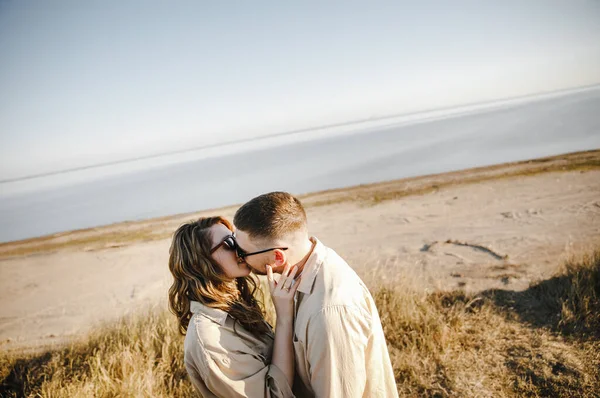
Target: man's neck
310,247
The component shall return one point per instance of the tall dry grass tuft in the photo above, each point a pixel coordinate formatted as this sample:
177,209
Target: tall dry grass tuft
139,356
540,342
579,292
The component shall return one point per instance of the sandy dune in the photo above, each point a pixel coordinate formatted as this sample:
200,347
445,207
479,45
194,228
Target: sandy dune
498,227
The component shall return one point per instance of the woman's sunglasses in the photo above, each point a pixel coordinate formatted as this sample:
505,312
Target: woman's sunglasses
229,243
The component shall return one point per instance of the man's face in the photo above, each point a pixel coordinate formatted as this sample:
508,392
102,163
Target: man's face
258,262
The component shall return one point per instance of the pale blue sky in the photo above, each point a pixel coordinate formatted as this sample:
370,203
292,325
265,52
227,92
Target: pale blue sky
83,82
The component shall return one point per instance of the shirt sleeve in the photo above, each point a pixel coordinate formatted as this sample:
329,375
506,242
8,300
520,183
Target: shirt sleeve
234,374
338,337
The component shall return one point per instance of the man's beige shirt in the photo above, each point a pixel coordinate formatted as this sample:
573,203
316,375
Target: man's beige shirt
339,344
223,362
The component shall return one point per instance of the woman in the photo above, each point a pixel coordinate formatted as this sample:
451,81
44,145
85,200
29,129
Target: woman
229,349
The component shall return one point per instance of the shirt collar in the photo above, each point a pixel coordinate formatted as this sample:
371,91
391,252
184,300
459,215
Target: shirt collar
312,267
214,314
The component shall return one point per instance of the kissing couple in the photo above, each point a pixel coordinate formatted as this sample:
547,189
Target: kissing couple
328,340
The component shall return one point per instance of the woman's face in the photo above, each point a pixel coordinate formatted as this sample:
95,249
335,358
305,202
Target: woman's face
226,257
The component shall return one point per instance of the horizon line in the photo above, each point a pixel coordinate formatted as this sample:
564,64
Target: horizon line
288,132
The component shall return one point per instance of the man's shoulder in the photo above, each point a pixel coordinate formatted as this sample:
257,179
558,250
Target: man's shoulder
337,273
333,262
337,284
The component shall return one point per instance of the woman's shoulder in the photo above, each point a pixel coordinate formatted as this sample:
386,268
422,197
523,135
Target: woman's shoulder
208,341
207,333
218,336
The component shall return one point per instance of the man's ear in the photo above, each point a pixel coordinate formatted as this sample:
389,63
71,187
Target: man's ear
279,258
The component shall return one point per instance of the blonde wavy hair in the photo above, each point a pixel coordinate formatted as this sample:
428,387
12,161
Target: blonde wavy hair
197,276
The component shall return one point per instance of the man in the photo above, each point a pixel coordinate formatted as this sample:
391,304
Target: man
339,345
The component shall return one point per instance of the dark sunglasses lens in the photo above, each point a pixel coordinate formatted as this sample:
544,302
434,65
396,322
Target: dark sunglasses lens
240,253
229,243
238,250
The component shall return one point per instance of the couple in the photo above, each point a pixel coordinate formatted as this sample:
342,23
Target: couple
328,340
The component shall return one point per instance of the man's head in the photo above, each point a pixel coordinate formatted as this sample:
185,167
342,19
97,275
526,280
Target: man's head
274,223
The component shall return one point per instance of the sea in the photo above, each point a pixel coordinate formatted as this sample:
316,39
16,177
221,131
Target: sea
299,162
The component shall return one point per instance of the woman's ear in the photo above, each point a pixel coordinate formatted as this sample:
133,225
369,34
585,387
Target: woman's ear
279,257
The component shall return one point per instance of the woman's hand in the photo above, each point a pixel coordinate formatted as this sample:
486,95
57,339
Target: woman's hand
282,292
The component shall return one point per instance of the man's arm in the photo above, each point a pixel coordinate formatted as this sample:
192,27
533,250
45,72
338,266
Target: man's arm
337,340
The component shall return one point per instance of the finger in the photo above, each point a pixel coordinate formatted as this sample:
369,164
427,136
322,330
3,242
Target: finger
290,279
270,278
294,286
293,272
286,269
282,281
284,274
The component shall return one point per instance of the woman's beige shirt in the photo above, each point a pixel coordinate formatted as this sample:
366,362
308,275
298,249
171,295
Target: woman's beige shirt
222,362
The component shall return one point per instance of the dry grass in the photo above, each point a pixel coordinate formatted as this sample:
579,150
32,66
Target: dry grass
138,356
544,341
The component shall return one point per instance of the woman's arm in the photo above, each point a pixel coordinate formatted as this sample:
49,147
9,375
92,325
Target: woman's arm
282,293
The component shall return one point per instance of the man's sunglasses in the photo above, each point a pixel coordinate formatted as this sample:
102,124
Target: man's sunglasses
231,244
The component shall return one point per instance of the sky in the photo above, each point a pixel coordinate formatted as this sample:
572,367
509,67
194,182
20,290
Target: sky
90,82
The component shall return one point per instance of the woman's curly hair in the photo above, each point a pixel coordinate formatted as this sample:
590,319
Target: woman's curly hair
197,276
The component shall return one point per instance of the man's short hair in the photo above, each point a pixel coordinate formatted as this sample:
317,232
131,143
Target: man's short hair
271,216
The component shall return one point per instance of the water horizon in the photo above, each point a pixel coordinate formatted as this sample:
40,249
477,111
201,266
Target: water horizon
381,149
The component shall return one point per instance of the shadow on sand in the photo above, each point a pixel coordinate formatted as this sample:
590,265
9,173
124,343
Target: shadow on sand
567,304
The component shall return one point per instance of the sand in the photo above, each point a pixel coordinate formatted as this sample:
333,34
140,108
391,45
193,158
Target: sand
497,227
